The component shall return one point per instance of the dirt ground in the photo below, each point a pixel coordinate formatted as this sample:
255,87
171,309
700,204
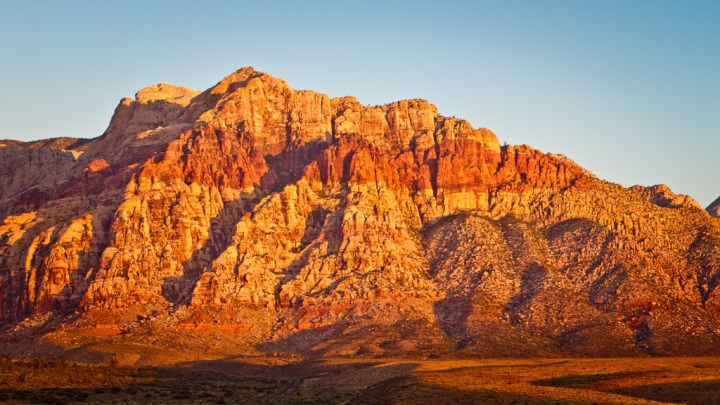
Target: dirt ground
278,380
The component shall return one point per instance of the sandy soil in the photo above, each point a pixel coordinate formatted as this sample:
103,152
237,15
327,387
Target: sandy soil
278,380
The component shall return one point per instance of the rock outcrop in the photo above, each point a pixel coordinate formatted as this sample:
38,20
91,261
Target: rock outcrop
714,208
327,227
28,176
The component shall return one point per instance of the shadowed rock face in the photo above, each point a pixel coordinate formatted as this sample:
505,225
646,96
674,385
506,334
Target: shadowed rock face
325,226
714,208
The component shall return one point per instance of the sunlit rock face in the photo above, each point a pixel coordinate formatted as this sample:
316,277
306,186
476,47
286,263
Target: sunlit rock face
329,227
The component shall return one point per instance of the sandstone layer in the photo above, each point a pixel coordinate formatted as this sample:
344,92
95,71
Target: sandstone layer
286,220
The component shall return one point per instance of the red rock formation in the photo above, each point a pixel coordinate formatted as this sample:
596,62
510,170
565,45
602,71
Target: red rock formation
299,222
661,195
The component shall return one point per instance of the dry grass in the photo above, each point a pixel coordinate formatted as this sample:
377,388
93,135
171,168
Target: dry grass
268,380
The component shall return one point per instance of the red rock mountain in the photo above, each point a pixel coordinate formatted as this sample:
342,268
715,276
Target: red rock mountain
255,217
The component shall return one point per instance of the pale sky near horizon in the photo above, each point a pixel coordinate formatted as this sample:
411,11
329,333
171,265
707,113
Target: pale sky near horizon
628,89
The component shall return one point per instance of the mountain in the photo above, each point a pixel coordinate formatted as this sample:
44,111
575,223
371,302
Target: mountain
714,208
255,218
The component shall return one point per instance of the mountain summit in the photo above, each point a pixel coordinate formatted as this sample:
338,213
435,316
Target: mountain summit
253,217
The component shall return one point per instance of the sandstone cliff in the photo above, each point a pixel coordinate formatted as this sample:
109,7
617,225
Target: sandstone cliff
308,224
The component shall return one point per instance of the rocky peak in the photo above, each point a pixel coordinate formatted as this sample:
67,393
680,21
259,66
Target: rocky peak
166,93
61,143
154,106
239,78
661,195
154,117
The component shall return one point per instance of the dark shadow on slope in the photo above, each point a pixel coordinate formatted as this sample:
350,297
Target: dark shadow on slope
314,224
71,295
319,220
688,392
451,315
42,302
178,289
452,312
284,168
561,228
531,283
68,299
581,231
353,338
412,390
604,281
288,165
705,260
603,291
13,290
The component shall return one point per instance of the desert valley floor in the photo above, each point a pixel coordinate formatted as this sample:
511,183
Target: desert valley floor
281,380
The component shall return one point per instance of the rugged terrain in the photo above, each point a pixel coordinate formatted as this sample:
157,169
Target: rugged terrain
255,218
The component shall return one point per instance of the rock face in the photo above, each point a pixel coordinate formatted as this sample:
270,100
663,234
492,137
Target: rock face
662,196
327,227
714,208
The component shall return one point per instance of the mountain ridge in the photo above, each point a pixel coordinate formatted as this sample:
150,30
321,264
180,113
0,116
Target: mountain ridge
285,220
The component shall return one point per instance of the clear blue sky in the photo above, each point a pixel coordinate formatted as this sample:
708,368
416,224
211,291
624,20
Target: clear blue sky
629,89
